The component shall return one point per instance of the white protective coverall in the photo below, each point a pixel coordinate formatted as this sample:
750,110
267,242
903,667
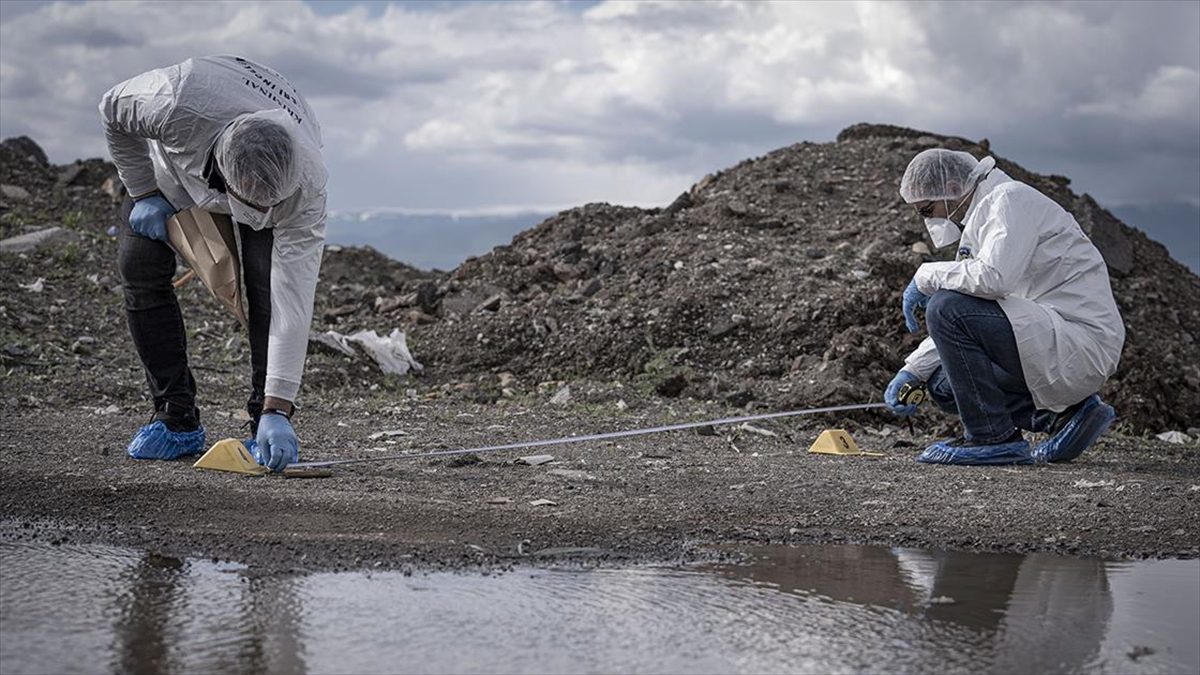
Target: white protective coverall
161,127
1023,250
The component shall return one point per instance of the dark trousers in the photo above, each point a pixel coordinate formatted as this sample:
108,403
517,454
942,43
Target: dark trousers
980,378
156,322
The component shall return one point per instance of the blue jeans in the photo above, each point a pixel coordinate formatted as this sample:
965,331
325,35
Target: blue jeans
980,378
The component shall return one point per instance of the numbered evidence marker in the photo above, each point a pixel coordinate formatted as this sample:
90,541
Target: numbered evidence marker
838,442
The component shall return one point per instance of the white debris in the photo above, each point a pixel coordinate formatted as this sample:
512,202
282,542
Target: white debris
543,502
746,426
1093,484
35,287
387,434
391,352
111,409
535,460
1174,437
621,404
562,396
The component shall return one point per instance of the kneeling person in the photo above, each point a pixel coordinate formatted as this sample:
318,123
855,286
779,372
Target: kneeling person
228,136
1023,327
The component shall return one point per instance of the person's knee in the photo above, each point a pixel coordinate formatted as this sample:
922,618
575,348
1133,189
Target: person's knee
146,273
941,392
941,309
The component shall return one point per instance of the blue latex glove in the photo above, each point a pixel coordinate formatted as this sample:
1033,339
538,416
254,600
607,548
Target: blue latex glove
149,217
277,442
913,299
892,393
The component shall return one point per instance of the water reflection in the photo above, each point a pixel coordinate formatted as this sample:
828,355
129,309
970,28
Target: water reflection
1034,612
803,609
155,590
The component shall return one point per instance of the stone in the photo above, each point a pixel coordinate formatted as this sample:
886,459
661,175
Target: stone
114,188
15,193
491,304
562,396
921,248
70,173
50,236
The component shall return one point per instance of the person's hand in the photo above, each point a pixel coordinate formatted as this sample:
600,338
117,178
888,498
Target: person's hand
891,396
149,217
913,299
277,442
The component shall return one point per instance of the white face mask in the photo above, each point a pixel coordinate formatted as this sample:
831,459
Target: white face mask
942,231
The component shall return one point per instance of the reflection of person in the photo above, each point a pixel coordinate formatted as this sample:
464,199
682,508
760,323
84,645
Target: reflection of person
228,136
1023,327
155,588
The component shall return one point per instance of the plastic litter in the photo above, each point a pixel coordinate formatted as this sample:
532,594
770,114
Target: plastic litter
1088,424
156,441
391,352
1174,437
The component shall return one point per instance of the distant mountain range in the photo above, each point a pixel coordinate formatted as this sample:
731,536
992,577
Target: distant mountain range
443,239
431,239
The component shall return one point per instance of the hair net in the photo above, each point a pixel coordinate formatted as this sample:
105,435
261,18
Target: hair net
938,174
259,156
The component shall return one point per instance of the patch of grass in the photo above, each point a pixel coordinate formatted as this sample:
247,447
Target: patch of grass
73,219
659,368
69,254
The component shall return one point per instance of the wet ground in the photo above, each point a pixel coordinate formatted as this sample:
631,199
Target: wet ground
830,608
675,497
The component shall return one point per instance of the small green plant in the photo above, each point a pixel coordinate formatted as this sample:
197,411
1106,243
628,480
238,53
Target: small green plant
69,254
73,218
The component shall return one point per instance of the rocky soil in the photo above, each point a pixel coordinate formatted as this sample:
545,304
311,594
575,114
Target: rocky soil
772,284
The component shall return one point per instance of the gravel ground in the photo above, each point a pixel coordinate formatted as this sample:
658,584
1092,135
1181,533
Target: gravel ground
679,496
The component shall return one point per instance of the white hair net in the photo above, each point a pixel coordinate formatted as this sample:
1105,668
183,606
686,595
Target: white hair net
938,174
261,157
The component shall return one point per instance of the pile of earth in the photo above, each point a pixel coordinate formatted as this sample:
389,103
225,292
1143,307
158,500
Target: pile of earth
773,283
777,280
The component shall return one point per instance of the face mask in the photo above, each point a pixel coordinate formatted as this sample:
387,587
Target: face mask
248,215
942,231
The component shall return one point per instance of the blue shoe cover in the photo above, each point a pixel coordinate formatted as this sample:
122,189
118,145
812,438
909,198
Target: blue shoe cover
942,452
156,441
1088,424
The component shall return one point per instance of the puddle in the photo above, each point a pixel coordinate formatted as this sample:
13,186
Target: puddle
806,609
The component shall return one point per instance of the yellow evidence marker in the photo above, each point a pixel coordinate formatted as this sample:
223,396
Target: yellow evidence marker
230,455
839,442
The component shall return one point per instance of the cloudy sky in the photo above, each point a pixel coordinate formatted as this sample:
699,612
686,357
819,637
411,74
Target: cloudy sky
467,106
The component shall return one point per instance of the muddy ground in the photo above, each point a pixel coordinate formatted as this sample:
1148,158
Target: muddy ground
667,498
771,285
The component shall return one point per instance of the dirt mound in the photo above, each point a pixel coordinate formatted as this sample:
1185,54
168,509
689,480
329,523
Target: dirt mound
776,281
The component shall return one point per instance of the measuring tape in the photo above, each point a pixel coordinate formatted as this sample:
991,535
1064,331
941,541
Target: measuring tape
592,437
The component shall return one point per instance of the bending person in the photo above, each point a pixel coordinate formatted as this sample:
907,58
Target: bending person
229,136
1023,327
